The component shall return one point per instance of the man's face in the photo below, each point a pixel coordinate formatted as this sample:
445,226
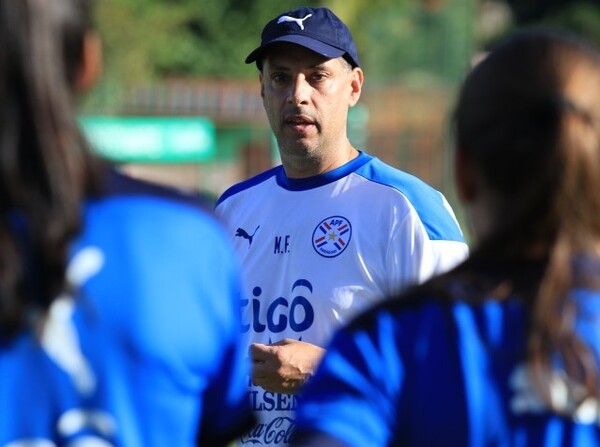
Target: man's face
306,97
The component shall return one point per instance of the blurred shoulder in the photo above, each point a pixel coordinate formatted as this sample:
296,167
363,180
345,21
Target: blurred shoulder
118,185
142,208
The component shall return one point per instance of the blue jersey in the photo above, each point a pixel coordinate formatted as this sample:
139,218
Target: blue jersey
432,372
146,350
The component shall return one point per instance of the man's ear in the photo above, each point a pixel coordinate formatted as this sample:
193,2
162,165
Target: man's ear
357,80
262,87
91,63
465,176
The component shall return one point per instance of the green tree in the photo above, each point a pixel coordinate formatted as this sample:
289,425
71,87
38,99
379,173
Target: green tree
415,41
581,17
150,39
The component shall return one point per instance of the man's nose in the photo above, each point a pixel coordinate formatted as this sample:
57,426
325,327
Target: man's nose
299,90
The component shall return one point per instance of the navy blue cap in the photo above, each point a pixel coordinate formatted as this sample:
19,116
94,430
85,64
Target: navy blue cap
317,29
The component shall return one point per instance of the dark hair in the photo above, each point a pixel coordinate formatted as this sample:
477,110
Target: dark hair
45,169
528,117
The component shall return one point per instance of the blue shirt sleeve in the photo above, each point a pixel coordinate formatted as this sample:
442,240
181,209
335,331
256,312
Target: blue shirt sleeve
351,400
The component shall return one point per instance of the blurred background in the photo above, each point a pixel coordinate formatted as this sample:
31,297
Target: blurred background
177,104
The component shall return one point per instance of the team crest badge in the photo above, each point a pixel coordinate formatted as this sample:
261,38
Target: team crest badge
332,236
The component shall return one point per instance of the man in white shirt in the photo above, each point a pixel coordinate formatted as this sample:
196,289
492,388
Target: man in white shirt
330,231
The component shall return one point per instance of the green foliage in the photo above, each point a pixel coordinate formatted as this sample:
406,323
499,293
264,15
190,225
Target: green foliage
410,42
147,40
150,39
581,17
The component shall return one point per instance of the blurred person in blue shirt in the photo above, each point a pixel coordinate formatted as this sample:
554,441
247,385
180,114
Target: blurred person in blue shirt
119,300
504,349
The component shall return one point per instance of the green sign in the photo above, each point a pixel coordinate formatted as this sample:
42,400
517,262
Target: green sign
151,139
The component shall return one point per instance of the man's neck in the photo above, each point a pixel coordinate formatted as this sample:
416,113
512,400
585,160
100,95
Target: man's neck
310,167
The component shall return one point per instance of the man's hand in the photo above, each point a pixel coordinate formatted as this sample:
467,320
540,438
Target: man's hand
283,367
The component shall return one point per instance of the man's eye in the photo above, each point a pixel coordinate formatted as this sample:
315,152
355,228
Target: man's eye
278,77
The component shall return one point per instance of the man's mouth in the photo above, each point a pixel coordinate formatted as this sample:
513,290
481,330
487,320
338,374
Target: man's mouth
299,123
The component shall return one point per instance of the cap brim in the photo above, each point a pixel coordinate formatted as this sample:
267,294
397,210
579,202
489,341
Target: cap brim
304,41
